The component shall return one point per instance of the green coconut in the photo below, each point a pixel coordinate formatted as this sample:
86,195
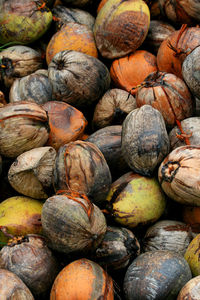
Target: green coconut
23,21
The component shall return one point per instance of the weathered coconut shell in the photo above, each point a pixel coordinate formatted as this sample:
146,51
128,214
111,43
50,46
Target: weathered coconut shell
2,99
77,78
71,223
108,140
68,14
22,21
135,200
117,249
112,108
80,166
31,172
19,61
72,36
168,94
191,127
83,279
144,144
34,87
191,71
181,11
32,261
179,175
23,126
156,275
66,123
191,290
157,33
121,27
168,235
12,287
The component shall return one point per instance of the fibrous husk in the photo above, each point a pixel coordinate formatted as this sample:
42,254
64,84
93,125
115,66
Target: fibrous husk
33,87
31,172
80,166
23,21
121,27
71,223
144,143
108,140
67,14
181,11
135,200
18,61
32,261
112,108
156,274
12,287
66,123
83,279
191,72
190,290
20,215
179,175
117,249
168,94
168,235
72,36
23,126
157,33
191,128
192,255
77,78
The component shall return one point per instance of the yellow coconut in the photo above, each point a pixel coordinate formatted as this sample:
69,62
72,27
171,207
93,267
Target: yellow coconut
192,255
121,27
20,215
139,201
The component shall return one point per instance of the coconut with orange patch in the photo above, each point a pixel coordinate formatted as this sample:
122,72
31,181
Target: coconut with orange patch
72,36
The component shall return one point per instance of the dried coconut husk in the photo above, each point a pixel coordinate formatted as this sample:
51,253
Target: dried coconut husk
181,11
33,87
12,287
18,61
168,94
32,261
168,235
2,99
190,133
112,108
66,123
191,216
83,279
72,36
77,78
31,172
24,126
156,274
144,143
174,49
65,15
108,140
158,32
80,166
72,224
117,249
191,72
129,71
179,174
191,290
